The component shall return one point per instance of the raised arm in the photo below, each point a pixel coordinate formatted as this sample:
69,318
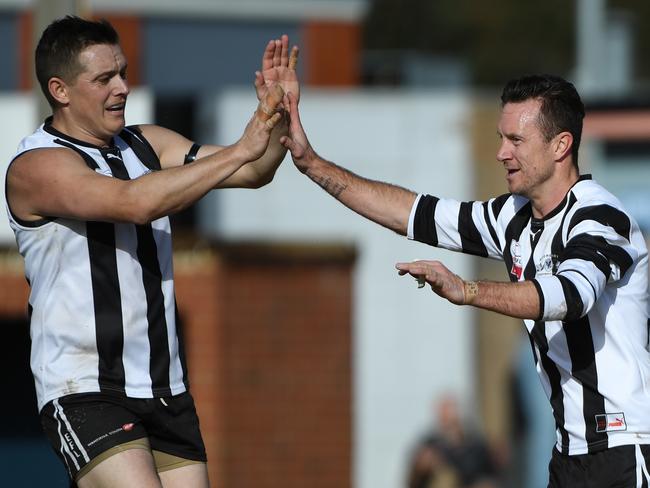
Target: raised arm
386,204
276,76
66,187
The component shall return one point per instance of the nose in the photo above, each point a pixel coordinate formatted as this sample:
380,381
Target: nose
504,153
121,86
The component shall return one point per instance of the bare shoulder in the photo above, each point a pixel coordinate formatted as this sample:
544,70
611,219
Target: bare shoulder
42,161
48,182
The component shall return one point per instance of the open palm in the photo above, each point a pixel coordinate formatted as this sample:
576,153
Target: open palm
278,67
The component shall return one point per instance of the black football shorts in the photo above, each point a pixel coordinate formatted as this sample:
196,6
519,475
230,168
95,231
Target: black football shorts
616,467
81,427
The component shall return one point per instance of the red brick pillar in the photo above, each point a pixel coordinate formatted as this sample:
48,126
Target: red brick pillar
268,336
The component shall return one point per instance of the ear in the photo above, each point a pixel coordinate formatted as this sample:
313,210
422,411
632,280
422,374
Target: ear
58,90
561,145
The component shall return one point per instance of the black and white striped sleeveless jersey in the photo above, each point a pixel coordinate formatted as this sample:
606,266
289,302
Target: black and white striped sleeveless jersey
589,263
102,306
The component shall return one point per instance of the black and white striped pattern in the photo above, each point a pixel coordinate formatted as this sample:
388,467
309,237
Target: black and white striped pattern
102,294
589,263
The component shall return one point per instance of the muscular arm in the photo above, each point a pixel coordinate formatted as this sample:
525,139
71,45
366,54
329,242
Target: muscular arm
519,300
172,147
56,182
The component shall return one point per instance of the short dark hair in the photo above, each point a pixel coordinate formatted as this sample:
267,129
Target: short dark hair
57,52
561,107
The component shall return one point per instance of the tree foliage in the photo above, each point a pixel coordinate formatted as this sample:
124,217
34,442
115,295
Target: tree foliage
498,39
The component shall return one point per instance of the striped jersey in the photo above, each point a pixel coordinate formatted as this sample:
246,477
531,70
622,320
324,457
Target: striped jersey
102,306
589,263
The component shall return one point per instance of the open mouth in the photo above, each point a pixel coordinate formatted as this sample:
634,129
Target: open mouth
118,107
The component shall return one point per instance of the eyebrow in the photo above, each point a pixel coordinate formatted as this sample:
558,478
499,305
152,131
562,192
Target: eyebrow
110,72
510,135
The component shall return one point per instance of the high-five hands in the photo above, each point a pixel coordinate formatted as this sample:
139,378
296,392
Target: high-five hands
296,142
278,68
443,282
254,141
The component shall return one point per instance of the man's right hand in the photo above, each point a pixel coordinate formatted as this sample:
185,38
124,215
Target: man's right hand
296,142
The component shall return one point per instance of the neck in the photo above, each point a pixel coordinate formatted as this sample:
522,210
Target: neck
70,127
549,195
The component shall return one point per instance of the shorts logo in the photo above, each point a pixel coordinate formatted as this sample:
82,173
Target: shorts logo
71,445
610,422
126,427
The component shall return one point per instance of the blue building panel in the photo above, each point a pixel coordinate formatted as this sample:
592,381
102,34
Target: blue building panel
181,57
9,52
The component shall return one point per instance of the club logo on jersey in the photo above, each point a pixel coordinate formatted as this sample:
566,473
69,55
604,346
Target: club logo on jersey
547,264
517,263
610,422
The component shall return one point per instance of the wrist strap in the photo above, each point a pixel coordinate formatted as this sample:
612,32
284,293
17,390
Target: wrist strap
470,291
191,155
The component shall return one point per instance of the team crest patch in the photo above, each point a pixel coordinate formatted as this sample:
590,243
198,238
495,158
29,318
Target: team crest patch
610,422
547,265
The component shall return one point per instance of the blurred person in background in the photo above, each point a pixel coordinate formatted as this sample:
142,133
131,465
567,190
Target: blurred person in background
452,455
578,269
88,200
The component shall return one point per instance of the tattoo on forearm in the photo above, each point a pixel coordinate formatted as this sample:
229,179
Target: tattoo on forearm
326,183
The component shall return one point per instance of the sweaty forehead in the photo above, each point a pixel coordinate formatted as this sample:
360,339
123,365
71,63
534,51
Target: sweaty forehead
102,57
519,117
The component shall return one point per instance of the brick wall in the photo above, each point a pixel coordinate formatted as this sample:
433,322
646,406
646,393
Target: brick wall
13,286
269,334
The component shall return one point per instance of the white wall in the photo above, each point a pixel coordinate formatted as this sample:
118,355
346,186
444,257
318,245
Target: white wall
409,344
19,119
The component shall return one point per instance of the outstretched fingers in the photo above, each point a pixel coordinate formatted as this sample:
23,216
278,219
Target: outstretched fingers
293,58
291,104
259,80
284,53
414,268
277,53
267,57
